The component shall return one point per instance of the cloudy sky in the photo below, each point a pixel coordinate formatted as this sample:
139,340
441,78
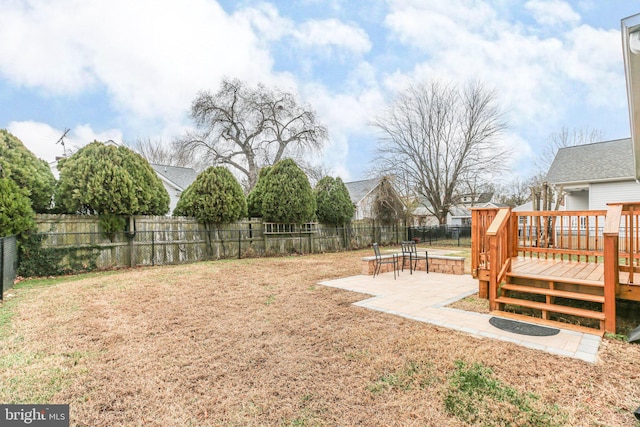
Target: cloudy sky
129,69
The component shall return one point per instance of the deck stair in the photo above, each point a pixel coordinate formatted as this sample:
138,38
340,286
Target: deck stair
558,265
551,296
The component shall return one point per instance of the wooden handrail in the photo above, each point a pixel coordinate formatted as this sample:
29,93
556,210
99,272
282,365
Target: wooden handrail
500,221
481,219
611,261
612,220
499,253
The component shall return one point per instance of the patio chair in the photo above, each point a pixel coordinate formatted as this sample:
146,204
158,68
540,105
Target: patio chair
410,253
393,259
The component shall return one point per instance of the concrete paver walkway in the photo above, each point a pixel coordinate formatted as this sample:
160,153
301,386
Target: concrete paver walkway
424,297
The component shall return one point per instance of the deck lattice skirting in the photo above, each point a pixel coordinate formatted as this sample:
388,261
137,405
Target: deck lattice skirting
437,264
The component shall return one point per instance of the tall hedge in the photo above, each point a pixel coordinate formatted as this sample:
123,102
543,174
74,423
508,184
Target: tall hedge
16,215
254,199
214,197
334,204
32,174
287,196
109,180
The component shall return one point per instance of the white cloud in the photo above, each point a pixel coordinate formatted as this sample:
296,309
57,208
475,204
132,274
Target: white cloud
593,57
42,139
348,115
332,32
552,12
538,79
151,57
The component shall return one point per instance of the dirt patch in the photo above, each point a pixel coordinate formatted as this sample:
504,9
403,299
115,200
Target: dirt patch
258,342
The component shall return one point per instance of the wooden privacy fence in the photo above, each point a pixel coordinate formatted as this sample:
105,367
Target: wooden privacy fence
8,263
159,240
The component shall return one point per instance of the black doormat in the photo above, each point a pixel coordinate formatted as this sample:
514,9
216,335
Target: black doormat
522,328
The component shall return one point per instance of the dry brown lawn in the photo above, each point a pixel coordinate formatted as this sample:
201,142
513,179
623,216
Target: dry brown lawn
258,342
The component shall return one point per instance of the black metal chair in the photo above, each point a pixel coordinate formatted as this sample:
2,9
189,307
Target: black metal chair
393,259
410,252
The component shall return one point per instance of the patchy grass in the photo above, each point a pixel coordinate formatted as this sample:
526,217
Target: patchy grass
258,342
474,394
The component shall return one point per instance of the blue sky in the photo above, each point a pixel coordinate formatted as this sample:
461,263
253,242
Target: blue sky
124,70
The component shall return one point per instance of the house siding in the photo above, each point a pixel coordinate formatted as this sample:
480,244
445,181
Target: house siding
577,201
174,196
611,192
364,208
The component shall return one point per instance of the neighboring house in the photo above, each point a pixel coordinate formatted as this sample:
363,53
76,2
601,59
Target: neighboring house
422,215
475,200
459,215
593,175
175,180
526,207
364,194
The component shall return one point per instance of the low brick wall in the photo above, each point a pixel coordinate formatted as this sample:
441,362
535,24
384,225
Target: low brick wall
437,264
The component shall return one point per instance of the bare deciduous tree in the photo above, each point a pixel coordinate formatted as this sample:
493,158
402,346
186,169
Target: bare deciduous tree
436,135
161,154
564,138
248,128
515,193
556,141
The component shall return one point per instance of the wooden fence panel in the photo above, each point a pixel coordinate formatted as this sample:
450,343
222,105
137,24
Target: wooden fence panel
158,240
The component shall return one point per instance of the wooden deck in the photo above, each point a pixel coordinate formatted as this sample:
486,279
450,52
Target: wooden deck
555,268
564,271
558,256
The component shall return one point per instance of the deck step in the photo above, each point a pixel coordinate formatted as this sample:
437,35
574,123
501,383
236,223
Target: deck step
549,323
557,279
554,308
553,292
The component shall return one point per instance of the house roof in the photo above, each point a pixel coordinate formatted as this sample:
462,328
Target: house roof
423,208
359,189
180,177
459,211
528,206
600,161
485,197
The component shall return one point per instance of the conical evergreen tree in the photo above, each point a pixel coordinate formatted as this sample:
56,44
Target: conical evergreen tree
334,204
214,197
287,196
32,174
109,180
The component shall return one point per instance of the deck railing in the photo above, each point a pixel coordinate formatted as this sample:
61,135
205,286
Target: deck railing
611,237
611,265
566,235
629,241
481,219
500,252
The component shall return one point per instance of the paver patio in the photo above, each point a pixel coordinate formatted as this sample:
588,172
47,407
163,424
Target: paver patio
424,297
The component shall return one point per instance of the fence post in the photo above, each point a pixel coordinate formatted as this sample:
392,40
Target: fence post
239,243
153,247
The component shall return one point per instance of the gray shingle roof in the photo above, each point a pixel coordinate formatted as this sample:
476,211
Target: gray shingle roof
600,161
359,189
182,177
